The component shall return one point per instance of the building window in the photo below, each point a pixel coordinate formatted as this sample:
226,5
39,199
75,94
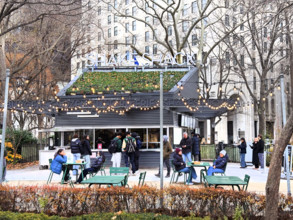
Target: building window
83,52
169,30
99,22
184,26
241,9
133,39
133,25
134,11
109,46
227,3
83,64
273,106
194,39
272,66
169,16
109,19
126,2
109,7
99,10
242,41
185,44
254,83
281,38
78,65
115,31
235,40
265,32
194,7
253,63
115,18
234,19
234,60
127,55
115,44
242,60
147,49
227,20
109,32
147,36
115,4
127,12
242,26
265,47
126,27
99,36
253,45
126,41
147,21
147,8
184,10
155,49
77,54
99,49
227,58
281,52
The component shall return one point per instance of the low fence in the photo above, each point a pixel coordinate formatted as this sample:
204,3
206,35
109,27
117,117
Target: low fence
208,152
30,152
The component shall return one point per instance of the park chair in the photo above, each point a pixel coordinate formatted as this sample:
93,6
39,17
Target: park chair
119,170
246,179
125,183
222,174
141,178
175,172
102,170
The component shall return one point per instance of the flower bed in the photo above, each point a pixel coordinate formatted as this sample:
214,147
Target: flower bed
178,201
108,82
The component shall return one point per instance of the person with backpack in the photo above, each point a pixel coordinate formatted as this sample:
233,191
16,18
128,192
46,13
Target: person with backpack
115,150
95,166
75,147
137,153
129,147
86,151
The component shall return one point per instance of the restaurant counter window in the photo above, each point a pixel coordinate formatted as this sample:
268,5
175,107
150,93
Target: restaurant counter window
154,137
105,135
143,136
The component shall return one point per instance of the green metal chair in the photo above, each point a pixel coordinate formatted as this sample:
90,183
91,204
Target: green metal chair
119,170
141,178
102,170
51,173
222,174
246,179
175,172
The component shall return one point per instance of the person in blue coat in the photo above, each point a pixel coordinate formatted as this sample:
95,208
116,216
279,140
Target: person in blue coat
242,148
57,164
219,164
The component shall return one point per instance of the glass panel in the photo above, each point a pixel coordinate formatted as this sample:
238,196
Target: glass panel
89,132
68,135
57,139
104,137
142,134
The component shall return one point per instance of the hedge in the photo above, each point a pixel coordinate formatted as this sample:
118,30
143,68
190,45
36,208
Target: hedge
178,201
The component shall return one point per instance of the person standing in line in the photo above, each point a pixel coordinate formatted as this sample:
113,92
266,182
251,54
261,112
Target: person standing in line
242,148
86,151
75,147
129,146
195,146
116,155
167,151
186,144
255,160
261,146
138,147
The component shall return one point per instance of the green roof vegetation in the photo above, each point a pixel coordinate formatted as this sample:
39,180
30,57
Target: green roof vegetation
110,82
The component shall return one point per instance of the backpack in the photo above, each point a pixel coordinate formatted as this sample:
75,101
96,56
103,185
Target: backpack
113,146
130,145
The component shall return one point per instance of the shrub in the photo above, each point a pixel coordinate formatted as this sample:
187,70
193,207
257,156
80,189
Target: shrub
178,201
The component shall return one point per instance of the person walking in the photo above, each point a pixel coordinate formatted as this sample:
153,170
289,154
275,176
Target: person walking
167,150
195,146
180,166
186,144
219,164
129,146
75,146
138,147
242,148
95,167
116,154
57,164
255,160
260,152
86,151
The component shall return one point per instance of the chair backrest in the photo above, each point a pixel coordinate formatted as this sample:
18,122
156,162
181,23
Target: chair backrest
246,179
141,178
122,170
172,165
50,161
225,167
126,180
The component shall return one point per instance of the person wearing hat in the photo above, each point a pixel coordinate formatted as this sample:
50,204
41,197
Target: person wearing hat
180,166
219,164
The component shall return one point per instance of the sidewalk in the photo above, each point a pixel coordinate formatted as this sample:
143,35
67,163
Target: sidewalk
34,176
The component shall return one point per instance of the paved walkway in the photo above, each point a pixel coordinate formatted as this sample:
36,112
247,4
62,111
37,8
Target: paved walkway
34,176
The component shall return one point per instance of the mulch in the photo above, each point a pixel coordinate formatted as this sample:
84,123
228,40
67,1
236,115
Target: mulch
21,165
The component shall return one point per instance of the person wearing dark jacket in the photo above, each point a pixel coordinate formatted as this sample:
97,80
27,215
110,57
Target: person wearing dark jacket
57,164
254,148
75,146
180,166
242,148
137,153
167,150
116,157
219,164
261,146
195,146
186,144
86,151
95,166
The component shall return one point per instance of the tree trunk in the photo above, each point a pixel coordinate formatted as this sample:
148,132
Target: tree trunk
273,181
261,121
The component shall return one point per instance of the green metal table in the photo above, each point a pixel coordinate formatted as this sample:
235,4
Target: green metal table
201,164
225,180
72,164
105,180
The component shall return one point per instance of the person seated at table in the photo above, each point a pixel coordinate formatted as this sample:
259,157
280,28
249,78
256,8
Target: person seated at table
219,164
57,164
95,166
180,166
